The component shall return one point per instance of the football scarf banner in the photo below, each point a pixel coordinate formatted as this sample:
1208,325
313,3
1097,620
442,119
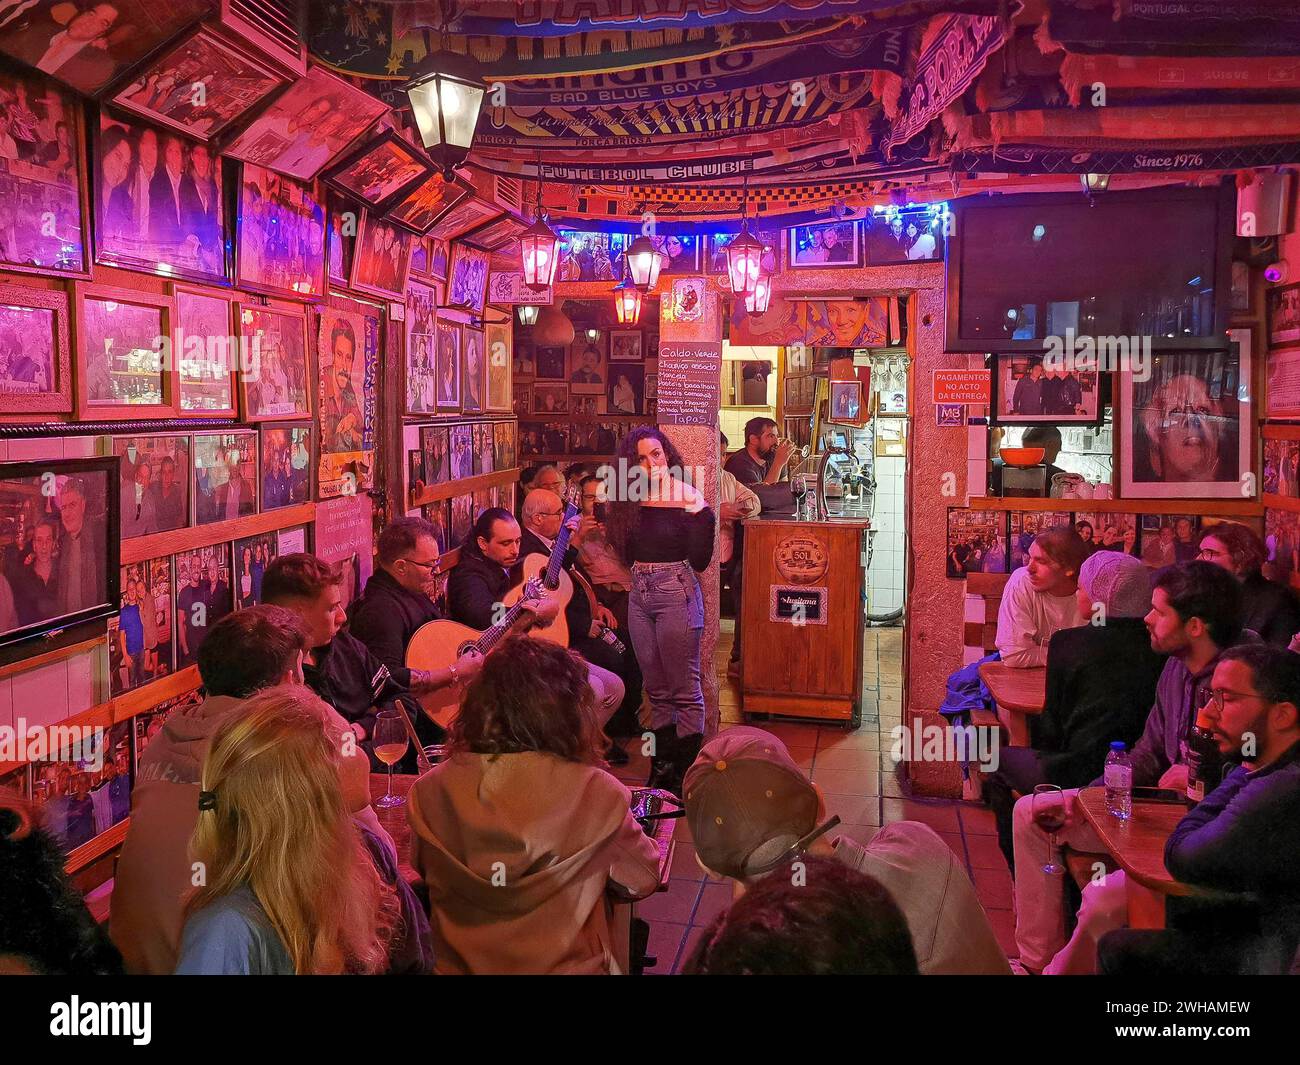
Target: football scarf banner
1028,159
1177,27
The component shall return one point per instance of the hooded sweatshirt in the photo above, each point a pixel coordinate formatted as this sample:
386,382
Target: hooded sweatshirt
154,871
518,851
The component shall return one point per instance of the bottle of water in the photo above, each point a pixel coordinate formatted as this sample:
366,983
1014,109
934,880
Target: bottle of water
1118,777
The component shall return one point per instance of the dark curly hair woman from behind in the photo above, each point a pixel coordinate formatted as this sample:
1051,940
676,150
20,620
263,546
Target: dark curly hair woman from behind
45,927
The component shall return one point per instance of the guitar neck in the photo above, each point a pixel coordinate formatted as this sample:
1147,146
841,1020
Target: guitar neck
560,549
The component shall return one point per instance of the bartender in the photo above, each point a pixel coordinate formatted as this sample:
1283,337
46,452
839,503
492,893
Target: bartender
761,467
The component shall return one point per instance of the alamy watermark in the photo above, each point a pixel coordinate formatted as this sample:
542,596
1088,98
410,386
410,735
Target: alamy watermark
83,744
1072,353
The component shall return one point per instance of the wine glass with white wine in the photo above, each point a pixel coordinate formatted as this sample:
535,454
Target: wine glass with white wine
390,741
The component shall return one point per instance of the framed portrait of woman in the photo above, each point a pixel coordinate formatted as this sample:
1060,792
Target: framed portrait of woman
35,352
43,205
447,346
282,385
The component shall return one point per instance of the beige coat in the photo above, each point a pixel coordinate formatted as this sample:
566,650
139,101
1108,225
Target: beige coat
520,853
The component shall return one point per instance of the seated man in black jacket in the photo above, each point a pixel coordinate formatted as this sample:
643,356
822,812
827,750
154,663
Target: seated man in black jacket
488,569
1101,682
1272,611
543,513
339,667
1241,840
761,466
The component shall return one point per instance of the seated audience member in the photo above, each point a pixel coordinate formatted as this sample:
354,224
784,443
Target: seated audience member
45,928
1242,839
749,807
574,474
487,571
1048,437
522,782
338,667
761,466
290,885
610,578
837,922
1195,616
543,512
735,502
397,601
1270,610
1101,680
1039,598
245,653
548,478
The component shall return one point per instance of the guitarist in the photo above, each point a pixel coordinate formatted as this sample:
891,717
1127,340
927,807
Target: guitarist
487,570
543,512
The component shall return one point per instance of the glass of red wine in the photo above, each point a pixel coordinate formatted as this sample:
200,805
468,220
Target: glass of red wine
1049,815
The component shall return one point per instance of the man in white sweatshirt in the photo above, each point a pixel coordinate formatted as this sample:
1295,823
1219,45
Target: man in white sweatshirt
1039,598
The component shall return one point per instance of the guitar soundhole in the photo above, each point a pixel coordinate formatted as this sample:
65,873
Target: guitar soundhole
460,651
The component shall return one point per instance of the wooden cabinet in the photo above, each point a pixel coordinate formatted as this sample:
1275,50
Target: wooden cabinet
802,618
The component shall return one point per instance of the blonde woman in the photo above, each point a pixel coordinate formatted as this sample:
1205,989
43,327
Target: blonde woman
289,885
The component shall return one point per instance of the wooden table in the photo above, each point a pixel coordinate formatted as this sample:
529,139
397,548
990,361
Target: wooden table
1016,692
1138,845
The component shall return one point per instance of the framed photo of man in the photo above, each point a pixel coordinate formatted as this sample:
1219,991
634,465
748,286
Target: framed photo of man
1026,390
824,245
64,545
315,119
154,480
203,597
123,337
421,207
252,556
1189,424
35,352
626,345
381,172
282,384
348,356
281,245
199,86
225,477
435,448
140,636
43,205
382,258
287,462
588,367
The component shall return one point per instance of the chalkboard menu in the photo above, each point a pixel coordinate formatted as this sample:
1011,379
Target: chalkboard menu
690,383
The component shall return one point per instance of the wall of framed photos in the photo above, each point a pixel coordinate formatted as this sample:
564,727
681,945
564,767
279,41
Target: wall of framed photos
217,333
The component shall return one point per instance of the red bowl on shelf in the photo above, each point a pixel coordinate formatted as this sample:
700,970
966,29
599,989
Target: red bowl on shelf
1022,457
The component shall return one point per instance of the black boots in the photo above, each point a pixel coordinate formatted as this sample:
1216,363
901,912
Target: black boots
661,762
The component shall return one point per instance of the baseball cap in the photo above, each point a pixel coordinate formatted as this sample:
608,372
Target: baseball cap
749,806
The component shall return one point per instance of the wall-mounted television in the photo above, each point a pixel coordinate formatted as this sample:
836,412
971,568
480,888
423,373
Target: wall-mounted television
59,545
1149,262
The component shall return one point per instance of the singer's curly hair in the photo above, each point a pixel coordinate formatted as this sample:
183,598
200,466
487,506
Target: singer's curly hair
624,515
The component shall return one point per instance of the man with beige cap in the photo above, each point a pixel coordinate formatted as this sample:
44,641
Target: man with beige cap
752,811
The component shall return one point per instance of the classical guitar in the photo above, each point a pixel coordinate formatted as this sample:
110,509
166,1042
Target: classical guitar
439,644
556,583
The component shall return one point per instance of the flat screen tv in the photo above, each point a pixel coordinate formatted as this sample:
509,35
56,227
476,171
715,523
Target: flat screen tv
58,545
1149,262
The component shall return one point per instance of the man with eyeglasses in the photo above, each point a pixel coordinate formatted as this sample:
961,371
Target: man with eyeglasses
1183,433
1240,842
1196,612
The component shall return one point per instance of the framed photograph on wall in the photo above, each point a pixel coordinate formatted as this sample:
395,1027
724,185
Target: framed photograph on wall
63,517
467,283
252,555
284,381
341,241
1284,315
159,202
499,361
447,344
550,399
421,353
1025,391
462,451
467,214
314,120
154,478
718,243
167,91
121,336
382,258
140,636
977,542
588,368
44,209
287,461
827,244
35,351
591,256
439,256
225,476
207,350
625,345
435,446
522,404
348,369
473,377
903,236
495,234
1026,524
281,243
202,579
626,387
1189,425
682,254
380,172
847,403
418,209
550,363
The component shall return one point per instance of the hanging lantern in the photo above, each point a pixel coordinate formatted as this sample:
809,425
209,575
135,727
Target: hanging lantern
446,100
528,314
537,247
756,302
643,262
627,303
744,262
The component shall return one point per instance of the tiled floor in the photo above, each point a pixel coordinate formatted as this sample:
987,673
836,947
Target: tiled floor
856,773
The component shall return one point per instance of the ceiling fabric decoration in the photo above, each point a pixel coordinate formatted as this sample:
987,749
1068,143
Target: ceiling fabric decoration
1217,27
1029,159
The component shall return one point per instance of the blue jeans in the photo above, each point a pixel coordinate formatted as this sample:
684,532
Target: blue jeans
665,614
